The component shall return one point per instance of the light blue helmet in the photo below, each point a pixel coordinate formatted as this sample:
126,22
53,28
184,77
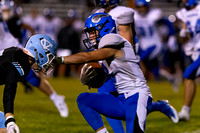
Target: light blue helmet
141,3
104,3
103,23
43,49
190,3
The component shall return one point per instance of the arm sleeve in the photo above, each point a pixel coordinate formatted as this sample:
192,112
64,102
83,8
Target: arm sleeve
10,91
180,15
125,18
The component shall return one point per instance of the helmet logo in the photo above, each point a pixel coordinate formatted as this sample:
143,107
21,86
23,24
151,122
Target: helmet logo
45,43
97,18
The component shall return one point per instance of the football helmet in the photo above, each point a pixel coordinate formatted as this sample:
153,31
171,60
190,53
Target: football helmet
7,9
141,3
104,3
103,23
43,49
190,3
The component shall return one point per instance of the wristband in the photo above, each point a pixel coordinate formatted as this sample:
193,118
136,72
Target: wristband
10,119
62,59
183,33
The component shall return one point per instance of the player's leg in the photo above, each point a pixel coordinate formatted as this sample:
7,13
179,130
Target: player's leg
116,125
189,94
41,83
136,112
190,74
92,105
164,107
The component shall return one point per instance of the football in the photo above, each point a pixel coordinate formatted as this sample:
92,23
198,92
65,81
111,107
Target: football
93,75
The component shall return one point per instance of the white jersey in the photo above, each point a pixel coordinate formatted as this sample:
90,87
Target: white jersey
52,27
146,30
6,38
35,23
121,15
125,70
192,19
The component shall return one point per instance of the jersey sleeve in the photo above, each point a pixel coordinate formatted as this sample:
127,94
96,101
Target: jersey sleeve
180,15
126,17
10,91
18,61
122,15
112,40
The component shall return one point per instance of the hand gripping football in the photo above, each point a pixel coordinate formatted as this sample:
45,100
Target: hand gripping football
93,75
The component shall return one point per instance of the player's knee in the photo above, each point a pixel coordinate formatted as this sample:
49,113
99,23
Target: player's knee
82,98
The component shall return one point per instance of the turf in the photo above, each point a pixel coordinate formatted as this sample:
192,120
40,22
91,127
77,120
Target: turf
36,113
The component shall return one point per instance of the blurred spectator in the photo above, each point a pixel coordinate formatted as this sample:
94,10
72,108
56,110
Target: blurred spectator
68,43
11,15
51,24
34,19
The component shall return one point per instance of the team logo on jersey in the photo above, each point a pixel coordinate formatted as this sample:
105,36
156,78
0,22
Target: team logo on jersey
45,43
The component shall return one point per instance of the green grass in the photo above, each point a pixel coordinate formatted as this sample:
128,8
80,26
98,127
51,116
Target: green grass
36,113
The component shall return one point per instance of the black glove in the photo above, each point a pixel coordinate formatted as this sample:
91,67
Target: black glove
57,61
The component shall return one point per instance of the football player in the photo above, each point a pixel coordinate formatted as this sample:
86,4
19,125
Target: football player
37,54
123,17
133,97
150,44
189,15
7,40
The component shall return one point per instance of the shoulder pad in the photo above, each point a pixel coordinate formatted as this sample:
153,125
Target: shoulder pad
111,40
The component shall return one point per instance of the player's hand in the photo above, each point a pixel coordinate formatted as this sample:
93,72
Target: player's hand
57,61
12,127
87,73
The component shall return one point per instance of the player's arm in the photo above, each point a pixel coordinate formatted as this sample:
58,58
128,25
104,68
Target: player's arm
184,34
126,32
96,55
8,101
28,27
3,130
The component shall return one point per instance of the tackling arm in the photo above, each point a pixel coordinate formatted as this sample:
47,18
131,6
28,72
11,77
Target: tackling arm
126,32
8,101
96,55
184,34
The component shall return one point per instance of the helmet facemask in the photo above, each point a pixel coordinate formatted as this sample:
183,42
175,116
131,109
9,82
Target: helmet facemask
91,41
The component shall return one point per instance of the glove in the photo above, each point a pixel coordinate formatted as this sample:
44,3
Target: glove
57,61
11,126
87,73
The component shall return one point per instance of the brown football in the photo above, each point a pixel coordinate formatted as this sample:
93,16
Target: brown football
98,80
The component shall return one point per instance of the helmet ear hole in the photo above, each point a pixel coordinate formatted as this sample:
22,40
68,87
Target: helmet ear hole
41,56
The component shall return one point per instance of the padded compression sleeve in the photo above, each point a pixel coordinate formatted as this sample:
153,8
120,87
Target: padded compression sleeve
9,92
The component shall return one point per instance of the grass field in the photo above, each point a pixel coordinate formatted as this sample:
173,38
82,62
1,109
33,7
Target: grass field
36,113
